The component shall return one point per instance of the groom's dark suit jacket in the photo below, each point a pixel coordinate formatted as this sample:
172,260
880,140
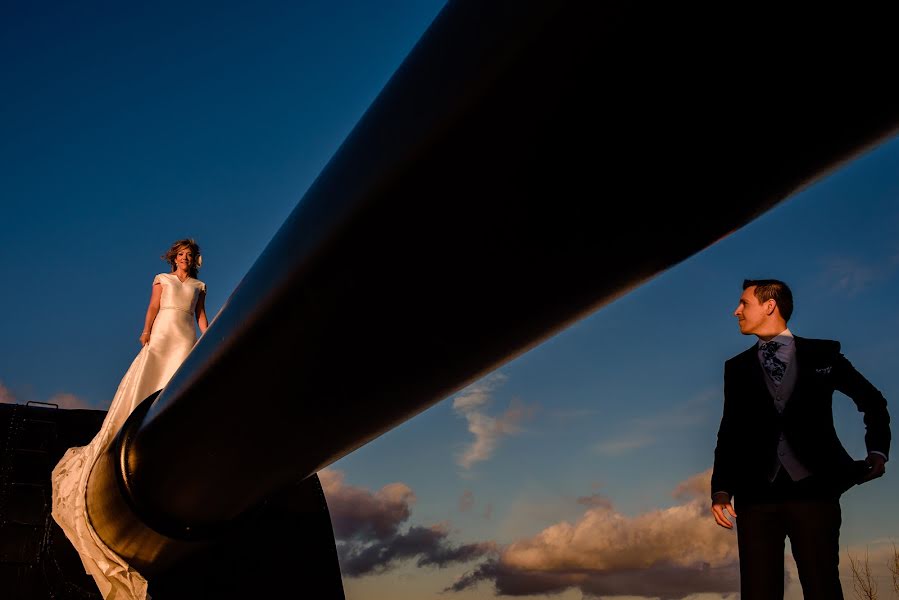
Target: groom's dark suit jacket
751,426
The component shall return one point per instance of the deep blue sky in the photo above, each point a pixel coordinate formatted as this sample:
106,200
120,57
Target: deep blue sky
124,127
127,126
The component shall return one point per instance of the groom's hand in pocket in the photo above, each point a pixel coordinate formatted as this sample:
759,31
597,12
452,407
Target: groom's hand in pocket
876,466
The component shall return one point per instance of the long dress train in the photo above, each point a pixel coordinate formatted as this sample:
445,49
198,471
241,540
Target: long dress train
172,336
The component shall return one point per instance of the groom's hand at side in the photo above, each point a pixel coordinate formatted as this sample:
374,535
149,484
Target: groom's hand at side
720,504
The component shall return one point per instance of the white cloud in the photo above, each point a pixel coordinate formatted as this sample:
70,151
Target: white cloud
477,396
487,429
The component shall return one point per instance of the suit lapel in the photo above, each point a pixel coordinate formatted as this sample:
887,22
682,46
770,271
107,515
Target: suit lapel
805,362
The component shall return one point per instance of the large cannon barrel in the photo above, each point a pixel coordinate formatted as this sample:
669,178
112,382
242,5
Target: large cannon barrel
528,163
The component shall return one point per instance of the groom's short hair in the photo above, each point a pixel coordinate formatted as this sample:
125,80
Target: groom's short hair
773,289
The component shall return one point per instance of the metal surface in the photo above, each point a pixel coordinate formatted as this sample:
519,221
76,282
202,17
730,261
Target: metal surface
289,533
37,562
528,163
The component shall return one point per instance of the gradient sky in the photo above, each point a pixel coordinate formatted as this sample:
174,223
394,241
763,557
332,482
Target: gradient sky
125,127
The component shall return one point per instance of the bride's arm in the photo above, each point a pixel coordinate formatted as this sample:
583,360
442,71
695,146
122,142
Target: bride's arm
201,313
151,313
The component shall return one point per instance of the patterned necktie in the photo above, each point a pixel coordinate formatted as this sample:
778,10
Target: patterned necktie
773,365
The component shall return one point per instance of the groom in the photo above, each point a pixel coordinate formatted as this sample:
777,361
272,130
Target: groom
778,453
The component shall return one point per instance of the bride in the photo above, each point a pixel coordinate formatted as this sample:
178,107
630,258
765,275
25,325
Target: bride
177,300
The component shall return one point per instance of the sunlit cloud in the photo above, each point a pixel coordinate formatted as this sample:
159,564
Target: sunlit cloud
672,553
367,526
62,399
696,487
487,430
357,512
6,396
65,400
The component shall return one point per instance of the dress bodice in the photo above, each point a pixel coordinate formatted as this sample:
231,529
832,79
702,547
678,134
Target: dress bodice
177,294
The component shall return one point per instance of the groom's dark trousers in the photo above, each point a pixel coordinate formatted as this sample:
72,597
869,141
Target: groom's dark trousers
807,511
810,517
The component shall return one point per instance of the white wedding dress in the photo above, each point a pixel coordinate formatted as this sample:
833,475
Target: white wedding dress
172,336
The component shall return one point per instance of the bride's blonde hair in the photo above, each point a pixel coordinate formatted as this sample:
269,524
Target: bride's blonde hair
172,254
